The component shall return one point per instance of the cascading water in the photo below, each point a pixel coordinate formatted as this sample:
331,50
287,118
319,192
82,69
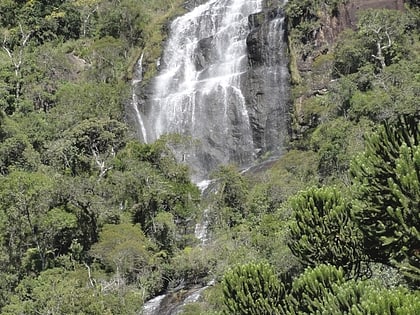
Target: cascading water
199,92
138,77
223,82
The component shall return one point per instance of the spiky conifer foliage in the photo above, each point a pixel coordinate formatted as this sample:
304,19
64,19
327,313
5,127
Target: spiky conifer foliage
309,289
324,290
398,301
252,289
323,231
386,179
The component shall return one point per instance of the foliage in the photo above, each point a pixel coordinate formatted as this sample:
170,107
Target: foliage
191,265
311,286
323,231
34,230
387,95
396,301
303,16
386,182
125,250
384,30
69,167
335,142
232,194
60,291
324,290
252,289
17,153
380,39
351,53
93,222
86,147
156,191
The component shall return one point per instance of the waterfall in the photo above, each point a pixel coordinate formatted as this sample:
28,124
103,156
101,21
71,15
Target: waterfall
223,83
198,92
152,306
201,228
137,78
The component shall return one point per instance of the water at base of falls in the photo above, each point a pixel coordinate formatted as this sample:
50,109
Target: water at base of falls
151,306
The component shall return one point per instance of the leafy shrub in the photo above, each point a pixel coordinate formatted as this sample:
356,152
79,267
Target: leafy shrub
252,289
386,180
311,286
323,231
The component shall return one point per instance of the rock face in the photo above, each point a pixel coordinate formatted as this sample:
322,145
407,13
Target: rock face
313,61
266,84
349,11
330,26
223,85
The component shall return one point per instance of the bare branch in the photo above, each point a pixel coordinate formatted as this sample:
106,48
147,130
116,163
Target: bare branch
9,53
101,163
91,280
389,40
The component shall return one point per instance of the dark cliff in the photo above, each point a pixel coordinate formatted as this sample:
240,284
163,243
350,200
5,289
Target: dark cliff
266,85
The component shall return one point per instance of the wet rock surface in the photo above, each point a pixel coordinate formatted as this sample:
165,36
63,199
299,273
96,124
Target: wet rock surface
266,84
223,82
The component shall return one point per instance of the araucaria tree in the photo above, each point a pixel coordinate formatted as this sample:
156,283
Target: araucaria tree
323,232
386,180
252,289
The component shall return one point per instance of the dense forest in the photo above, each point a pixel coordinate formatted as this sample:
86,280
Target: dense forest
94,222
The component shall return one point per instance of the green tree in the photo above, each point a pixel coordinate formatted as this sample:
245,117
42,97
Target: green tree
332,142
385,30
156,191
33,230
323,231
76,102
350,54
87,147
15,43
387,94
107,57
125,20
60,291
125,250
17,153
50,19
324,290
232,194
191,265
399,301
252,289
386,181
89,199
8,9
309,289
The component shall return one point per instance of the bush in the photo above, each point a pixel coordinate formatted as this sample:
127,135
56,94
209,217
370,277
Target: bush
386,180
323,231
252,289
310,287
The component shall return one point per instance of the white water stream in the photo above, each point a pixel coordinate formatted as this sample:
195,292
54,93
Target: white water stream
198,93
181,89
138,77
